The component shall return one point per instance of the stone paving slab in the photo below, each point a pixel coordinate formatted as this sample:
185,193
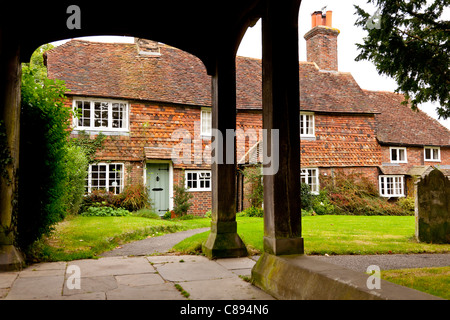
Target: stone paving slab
154,277
7,279
113,266
132,278
193,271
165,291
138,280
36,288
224,289
92,285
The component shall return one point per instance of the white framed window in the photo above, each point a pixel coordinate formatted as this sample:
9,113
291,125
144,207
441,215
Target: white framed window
105,176
307,124
391,186
197,180
432,154
310,176
104,115
398,155
205,122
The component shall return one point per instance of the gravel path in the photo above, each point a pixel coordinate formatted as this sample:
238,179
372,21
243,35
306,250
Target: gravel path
152,245
388,261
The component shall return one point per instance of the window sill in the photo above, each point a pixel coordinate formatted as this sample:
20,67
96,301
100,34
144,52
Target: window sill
105,132
392,196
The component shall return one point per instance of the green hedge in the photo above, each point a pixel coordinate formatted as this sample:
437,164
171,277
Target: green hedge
44,180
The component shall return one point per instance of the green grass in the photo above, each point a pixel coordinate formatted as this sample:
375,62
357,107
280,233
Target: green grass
435,281
336,235
81,237
86,237
352,235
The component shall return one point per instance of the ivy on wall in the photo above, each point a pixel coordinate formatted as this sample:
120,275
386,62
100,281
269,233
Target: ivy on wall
88,145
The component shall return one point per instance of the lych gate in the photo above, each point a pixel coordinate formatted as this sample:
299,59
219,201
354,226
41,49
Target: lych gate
212,31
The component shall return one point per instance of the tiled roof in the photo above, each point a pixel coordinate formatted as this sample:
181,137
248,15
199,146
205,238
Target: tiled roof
399,124
329,91
116,70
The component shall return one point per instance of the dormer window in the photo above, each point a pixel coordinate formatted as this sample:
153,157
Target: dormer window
398,155
432,154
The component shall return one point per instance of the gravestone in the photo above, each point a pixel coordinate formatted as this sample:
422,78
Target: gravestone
432,208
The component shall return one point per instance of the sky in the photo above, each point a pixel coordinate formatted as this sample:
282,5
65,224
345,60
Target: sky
344,19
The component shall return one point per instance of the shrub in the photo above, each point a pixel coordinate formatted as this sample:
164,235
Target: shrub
77,169
253,212
354,194
181,199
103,211
100,198
407,204
321,205
307,213
305,197
134,197
167,215
43,148
253,176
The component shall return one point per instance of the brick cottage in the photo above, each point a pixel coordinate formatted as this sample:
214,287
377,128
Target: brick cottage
153,102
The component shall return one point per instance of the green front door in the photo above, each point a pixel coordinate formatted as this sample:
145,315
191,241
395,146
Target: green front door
158,185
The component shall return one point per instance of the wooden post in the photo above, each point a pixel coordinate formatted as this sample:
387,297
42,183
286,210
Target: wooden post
223,241
10,81
281,111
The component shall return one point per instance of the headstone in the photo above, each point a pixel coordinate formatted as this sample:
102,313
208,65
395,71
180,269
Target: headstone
433,208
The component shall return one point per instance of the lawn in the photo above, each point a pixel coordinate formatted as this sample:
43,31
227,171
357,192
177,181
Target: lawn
435,281
86,237
337,235
81,237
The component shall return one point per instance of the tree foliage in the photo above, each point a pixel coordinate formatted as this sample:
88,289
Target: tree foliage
409,41
51,171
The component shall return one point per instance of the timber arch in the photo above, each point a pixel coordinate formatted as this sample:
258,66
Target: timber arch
211,31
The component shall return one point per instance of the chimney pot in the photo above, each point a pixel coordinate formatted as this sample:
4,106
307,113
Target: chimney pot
318,18
313,20
329,18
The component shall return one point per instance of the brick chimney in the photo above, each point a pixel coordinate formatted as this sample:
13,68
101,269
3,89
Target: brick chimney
321,41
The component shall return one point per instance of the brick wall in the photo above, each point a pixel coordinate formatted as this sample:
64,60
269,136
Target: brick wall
201,201
134,172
